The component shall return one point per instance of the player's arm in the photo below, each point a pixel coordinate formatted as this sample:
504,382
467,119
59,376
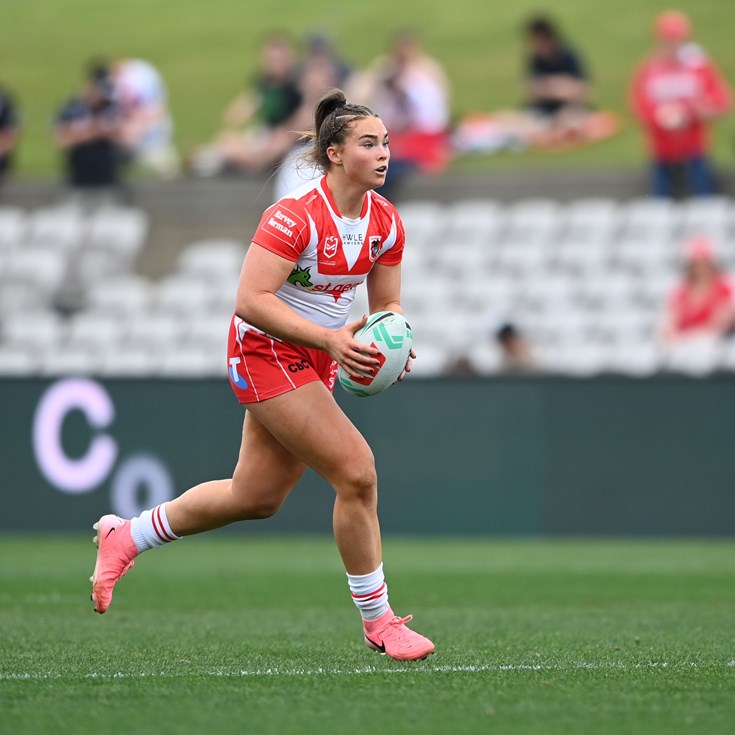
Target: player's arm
384,288
384,294
263,273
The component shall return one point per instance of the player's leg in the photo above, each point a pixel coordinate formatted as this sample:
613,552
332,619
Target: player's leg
264,476
310,424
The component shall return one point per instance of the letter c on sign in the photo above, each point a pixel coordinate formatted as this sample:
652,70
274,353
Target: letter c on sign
68,474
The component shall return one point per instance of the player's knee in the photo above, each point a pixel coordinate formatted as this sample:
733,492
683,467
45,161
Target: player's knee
358,479
260,510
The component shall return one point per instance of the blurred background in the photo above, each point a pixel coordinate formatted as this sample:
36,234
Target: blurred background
565,174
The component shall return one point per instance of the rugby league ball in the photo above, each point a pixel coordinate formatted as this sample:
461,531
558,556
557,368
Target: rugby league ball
391,334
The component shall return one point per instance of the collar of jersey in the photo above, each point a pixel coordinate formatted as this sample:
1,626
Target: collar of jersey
332,205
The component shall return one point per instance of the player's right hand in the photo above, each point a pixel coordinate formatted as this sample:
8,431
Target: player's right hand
355,357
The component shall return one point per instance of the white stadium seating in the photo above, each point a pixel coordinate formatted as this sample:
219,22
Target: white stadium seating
586,281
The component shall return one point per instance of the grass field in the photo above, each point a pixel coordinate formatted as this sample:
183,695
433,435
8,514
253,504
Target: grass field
257,635
207,52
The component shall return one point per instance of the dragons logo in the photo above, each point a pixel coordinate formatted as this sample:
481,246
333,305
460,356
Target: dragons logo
300,277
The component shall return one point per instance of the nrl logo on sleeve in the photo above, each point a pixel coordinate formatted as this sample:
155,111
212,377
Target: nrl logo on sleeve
374,247
330,246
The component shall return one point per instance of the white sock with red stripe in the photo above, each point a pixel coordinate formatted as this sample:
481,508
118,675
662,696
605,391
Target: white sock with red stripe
369,593
150,529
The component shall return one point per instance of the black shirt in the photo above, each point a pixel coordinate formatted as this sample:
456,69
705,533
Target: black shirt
96,162
279,99
564,62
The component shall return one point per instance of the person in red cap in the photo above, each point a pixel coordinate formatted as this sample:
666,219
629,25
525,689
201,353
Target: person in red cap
675,93
702,304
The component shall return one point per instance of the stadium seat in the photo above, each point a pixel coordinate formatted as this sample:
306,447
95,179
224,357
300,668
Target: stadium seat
696,356
212,258
207,332
156,331
534,218
579,359
473,221
13,227
17,361
624,326
91,266
19,297
727,356
120,229
634,359
521,257
127,293
69,361
425,222
193,362
36,266
59,228
650,217
581,256
591,219
431,361
360,305
32,328
181,294
222,292
97,331
706,216
485,357
130,362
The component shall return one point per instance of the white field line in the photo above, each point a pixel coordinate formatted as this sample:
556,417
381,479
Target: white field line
416,668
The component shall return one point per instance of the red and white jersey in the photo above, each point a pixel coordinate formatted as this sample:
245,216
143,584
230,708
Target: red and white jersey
332,254
684,82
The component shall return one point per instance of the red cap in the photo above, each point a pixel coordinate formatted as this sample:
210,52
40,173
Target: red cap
700,248
672,25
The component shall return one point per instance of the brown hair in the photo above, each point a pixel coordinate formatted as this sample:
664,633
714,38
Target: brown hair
333,118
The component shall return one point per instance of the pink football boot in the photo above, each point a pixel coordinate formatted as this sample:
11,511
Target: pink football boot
115,553
389,635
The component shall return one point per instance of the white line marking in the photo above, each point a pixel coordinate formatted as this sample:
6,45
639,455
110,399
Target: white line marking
416,668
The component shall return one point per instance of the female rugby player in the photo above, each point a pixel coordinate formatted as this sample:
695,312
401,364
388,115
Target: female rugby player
310,252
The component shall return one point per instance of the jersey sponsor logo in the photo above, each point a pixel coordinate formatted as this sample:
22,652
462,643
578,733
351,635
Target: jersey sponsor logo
300,277
374,247
331,244
235,377
296,367
673,87
283,224
336,291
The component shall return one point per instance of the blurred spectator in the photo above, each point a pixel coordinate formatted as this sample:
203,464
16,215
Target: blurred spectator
255,134
558,88
461,367
320,52
516,354
147,127
675,92
322,70
410,92
556,113
88,130
702,304
9,132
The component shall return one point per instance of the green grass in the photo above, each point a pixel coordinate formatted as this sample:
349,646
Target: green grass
207,51
258,635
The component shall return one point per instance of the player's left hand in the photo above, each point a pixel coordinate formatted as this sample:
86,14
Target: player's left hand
407,369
